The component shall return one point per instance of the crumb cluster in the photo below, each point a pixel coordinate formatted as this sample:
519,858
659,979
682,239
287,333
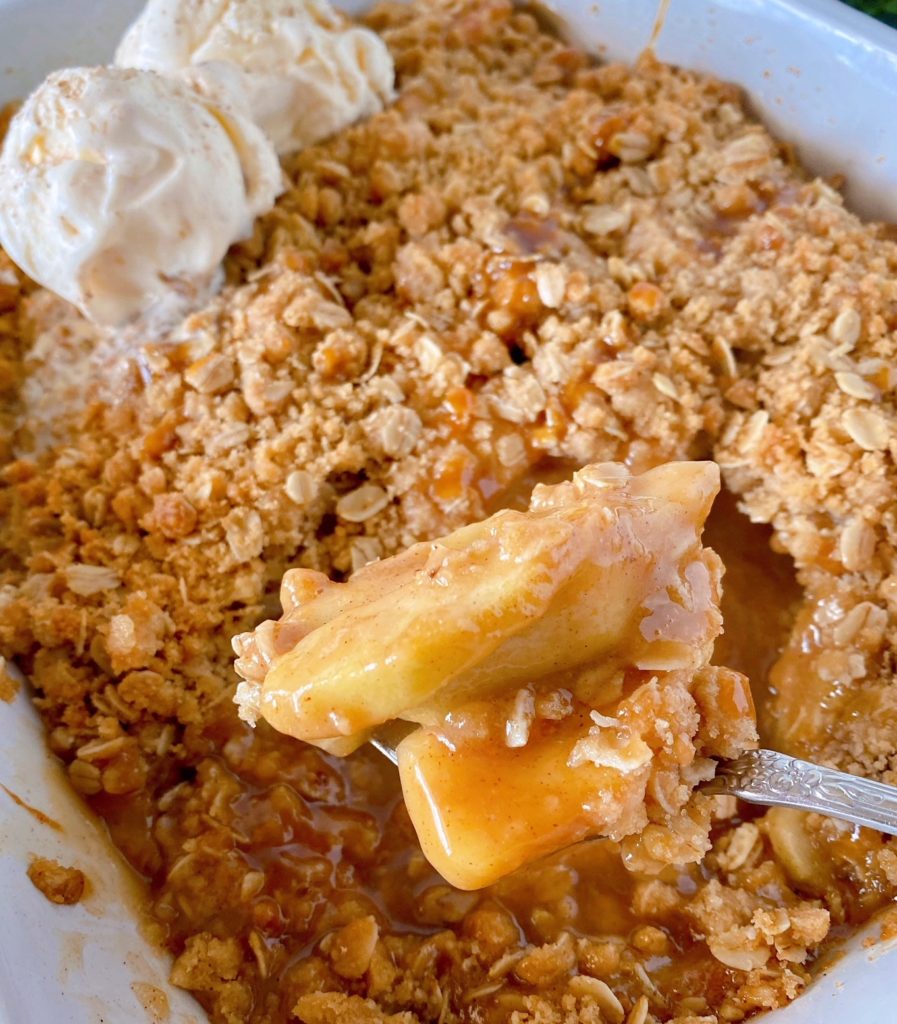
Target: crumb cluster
60,884
527,263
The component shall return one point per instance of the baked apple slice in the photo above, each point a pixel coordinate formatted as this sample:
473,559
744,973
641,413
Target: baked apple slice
602,570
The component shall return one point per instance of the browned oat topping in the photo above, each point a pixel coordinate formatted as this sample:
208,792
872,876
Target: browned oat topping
59,884
526,264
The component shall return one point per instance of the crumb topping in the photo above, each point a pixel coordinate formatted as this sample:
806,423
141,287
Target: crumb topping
526,264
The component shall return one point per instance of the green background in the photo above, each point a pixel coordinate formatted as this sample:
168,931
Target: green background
886,10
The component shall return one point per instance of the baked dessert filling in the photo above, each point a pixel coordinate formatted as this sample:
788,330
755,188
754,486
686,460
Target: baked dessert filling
528,263
557,661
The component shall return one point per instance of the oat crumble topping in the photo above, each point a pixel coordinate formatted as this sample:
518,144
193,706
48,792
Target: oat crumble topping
526,264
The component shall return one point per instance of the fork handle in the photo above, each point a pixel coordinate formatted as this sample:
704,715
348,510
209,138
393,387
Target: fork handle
767,777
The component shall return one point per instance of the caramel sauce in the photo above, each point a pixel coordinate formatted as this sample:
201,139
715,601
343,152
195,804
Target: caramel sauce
39,816
659,21
508,289
760,599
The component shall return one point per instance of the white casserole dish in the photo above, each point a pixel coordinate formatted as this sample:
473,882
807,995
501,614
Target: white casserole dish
821,75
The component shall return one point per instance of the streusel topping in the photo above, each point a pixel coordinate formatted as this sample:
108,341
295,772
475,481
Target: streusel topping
526,264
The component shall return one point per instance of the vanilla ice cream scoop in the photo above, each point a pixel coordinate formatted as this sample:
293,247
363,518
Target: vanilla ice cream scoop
122,190
308,71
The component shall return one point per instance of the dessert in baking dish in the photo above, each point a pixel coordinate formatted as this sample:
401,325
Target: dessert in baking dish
525,264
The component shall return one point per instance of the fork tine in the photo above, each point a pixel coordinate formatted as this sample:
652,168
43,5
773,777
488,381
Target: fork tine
389,752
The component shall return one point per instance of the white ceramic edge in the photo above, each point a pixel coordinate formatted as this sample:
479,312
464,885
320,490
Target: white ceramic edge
821,75
81,964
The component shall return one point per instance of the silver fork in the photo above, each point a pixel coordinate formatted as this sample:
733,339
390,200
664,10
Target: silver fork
777,780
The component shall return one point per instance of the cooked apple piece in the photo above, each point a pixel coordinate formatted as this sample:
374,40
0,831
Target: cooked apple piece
482,808
492,788
606,570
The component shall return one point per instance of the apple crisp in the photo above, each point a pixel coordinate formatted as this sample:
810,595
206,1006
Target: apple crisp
528,263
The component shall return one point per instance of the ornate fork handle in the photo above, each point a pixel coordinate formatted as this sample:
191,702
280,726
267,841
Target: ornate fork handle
766,777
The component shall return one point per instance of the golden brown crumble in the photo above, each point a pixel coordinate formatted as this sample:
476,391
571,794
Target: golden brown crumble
58,883
9,685
527,263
